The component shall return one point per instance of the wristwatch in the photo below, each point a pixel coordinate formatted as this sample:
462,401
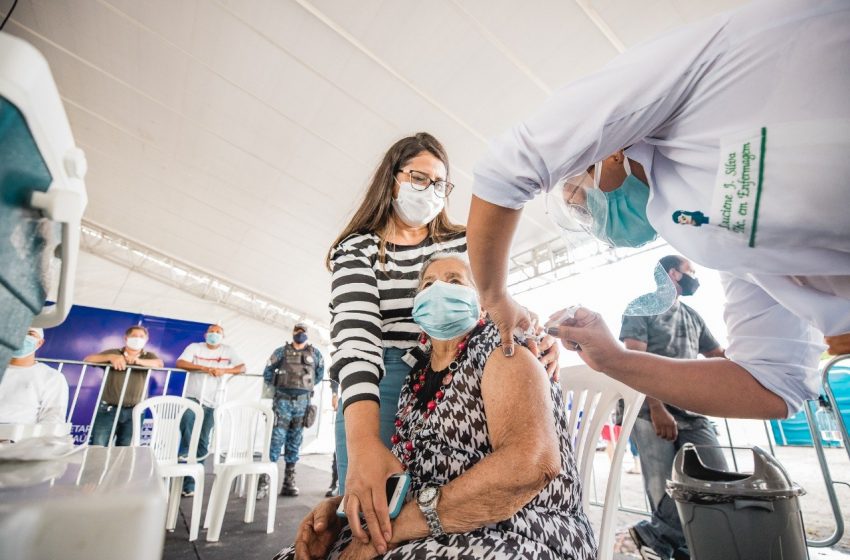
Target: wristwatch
427,502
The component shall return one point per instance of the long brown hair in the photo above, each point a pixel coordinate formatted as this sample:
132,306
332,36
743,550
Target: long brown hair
375,211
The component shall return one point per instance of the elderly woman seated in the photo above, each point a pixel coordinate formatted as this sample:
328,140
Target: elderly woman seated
484,439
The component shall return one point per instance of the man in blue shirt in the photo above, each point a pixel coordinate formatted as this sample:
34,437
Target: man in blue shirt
293,370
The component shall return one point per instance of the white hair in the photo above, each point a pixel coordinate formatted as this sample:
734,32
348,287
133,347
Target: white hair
444,255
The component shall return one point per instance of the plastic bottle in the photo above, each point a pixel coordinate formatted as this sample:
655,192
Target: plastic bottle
825,420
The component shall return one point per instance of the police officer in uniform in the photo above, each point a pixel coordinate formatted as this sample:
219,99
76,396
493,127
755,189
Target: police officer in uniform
293,370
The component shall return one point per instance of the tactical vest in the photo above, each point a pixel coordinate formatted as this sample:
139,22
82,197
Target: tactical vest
297,369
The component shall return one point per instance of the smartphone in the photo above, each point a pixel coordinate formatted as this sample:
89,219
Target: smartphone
397,488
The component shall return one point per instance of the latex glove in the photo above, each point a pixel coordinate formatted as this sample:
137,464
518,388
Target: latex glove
318,531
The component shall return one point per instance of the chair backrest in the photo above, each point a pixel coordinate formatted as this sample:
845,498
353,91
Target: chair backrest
594,397
238,426
165,436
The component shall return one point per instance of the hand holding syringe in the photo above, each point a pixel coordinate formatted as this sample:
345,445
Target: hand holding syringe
559,318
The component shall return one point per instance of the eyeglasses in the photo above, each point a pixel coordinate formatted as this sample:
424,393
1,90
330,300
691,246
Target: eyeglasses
422,181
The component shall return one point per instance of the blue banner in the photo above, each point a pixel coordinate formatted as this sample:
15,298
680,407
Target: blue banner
89,330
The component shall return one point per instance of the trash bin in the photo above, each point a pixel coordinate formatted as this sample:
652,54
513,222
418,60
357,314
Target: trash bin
728,515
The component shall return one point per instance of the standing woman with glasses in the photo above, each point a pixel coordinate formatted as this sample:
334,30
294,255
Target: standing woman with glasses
375,264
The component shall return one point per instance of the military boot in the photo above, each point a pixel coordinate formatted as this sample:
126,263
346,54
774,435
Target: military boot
289,488
263,487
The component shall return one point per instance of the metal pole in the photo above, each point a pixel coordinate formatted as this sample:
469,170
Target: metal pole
827,477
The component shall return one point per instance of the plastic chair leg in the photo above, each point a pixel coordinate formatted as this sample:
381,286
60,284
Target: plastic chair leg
251,502
240,487
197,501
215,489
218,504
174,488
272,499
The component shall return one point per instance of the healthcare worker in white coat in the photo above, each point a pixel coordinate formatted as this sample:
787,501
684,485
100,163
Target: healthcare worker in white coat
740,127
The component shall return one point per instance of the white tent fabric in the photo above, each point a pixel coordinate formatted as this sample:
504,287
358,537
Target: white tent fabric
237,135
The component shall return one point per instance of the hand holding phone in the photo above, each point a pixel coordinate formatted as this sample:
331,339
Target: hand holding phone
397,487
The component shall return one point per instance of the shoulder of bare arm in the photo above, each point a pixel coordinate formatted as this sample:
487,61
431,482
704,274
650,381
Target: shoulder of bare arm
634,344
517,398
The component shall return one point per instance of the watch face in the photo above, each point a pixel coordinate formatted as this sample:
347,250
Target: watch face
427,495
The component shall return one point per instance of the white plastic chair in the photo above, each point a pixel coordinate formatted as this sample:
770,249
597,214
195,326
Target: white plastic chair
594,397
165,442
238,425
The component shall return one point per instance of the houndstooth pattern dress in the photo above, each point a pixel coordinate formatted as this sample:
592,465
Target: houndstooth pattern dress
453,439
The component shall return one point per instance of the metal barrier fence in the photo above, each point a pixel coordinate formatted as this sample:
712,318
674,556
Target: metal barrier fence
817,445
88,379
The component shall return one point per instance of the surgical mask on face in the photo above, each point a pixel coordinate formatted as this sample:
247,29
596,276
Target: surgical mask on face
213,338
417,208
300,337
688,284
445,311
619,217
136,342
27,348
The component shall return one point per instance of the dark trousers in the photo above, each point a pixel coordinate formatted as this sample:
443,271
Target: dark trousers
186,424
102,426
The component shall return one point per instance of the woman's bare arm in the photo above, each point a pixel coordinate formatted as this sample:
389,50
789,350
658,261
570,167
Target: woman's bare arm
525,457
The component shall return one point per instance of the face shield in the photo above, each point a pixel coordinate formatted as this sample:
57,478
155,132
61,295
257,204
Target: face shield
577,206
582,212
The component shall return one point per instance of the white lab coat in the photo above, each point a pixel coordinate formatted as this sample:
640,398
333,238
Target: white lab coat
773,76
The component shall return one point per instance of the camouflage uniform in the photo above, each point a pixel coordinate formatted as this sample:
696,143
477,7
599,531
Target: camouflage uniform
290,404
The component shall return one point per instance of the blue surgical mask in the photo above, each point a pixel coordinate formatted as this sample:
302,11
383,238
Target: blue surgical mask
445,311
300,337
213,338
27,348
619,217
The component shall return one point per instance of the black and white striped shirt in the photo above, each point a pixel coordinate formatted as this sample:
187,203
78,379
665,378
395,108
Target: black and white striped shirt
372,307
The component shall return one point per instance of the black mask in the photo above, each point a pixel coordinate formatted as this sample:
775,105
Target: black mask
300,337
688,284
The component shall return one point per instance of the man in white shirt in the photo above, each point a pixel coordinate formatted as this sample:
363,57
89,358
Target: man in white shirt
207,363
722,124
30,392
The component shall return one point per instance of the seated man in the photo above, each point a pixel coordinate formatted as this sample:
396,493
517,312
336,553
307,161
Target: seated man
130,363
32,393
485,441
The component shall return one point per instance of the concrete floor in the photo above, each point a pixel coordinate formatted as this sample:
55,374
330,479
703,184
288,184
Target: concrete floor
250,541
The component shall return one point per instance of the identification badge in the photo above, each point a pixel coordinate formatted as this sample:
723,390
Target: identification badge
737,188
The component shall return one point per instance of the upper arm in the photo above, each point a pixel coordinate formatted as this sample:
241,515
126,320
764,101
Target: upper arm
635,328
633,344
518,404
708,345
187,355
99,357
715,353
356,325
778,348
